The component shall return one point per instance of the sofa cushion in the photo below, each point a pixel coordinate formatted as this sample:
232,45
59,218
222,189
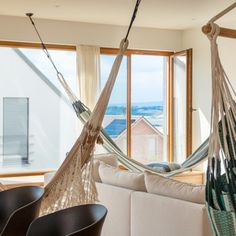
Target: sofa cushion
108,158
175,189
121,178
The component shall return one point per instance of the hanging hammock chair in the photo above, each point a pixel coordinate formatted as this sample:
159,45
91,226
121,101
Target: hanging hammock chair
221,172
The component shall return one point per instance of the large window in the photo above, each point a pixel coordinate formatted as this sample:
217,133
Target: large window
115,120
148,106
143,117
15,130
149,114
136,117
38,123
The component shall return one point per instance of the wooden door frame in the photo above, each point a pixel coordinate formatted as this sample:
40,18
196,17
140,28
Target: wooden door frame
188,54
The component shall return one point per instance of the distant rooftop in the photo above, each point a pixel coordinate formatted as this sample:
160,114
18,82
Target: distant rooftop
116,127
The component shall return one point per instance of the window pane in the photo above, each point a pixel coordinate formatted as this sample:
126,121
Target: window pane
51,118
179,111
148,95
115,123
15,130
64,60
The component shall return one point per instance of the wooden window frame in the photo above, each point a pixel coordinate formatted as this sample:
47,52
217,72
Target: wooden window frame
129,53
188,54
108,51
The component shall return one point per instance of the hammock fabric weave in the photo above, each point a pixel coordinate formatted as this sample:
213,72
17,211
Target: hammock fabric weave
73,183
221,173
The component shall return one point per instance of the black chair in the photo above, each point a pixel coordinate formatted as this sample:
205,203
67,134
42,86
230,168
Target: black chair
84,220
18,208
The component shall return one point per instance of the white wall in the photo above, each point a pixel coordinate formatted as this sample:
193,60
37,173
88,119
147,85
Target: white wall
51,120
194,38
66,32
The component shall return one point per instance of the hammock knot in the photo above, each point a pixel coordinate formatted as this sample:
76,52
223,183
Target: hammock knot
215,31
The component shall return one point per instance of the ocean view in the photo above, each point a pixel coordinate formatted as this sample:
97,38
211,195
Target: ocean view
152,111
138,109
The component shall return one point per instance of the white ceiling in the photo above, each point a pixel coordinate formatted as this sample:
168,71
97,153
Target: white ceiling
171,14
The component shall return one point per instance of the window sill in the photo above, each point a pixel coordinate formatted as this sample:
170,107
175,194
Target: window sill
12,180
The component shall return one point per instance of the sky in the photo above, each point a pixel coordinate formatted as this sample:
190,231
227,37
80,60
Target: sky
147,74
64,60
147,79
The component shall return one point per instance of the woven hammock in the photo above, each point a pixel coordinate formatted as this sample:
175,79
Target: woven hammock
73,183
221,172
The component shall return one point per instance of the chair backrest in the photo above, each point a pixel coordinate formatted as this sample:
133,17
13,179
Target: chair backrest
18,208
84,220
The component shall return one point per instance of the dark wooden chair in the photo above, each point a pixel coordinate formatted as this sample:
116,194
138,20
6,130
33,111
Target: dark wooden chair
84,220
18,208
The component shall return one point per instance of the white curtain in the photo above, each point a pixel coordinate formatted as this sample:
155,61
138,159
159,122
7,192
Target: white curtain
88,67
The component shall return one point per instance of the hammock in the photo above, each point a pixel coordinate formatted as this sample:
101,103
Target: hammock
73,183
196,158
83,113
76,170
221,172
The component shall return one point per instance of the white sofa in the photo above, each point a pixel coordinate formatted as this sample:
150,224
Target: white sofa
134,213
139,213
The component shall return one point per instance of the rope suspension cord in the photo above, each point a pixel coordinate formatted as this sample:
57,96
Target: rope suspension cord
44,47
74,100
60,76
132,19
222,13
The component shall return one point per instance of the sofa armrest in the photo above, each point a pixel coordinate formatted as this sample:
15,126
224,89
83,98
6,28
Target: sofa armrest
118,202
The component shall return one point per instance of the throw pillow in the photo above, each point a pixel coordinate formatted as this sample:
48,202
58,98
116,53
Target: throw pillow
121,178
157,184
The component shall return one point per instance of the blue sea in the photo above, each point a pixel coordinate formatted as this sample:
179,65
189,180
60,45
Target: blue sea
137,109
